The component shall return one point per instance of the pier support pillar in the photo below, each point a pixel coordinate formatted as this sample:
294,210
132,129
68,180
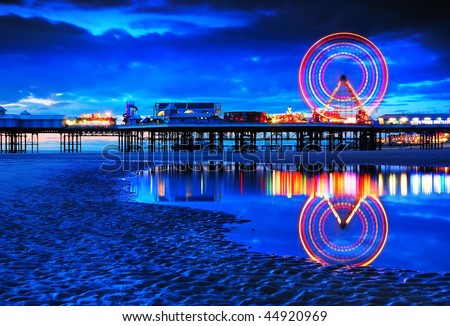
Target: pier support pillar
13,142
131,141
70,142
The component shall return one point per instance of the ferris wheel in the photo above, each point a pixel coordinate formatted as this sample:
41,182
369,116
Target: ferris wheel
343,75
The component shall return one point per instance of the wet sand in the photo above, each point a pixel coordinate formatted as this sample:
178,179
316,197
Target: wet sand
72,234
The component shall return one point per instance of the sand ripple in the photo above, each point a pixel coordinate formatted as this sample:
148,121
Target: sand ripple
78,240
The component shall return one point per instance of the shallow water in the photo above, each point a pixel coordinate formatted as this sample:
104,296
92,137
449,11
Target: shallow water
406,206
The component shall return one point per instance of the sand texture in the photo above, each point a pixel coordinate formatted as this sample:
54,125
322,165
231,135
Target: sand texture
71,234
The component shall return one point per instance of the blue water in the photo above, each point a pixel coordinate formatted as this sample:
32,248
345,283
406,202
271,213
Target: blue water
401,213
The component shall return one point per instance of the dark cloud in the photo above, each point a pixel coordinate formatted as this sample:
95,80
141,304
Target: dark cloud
87,3
236,5
302,20
306,21
396,12
12,2
315,18
43,57
26,34
46,58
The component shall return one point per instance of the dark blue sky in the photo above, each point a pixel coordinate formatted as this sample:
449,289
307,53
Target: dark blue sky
86,56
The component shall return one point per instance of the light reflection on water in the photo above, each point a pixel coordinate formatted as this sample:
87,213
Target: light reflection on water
409,227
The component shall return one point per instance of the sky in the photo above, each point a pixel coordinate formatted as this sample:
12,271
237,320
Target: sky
77,56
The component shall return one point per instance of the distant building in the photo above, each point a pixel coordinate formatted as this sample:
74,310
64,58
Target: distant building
202,112
415,119
27,120
131,117
246,116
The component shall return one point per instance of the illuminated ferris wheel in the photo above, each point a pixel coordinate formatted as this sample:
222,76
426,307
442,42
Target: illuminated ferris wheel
343,76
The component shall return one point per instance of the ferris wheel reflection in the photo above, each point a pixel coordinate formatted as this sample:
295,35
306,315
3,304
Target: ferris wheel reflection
349,230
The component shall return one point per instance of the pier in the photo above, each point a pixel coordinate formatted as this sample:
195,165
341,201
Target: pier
189,127
242,137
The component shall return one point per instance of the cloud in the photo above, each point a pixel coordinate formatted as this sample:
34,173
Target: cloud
436,92
87,4
37,34
236,5
64,58
12,2
245,53
427,83
42,101
302,19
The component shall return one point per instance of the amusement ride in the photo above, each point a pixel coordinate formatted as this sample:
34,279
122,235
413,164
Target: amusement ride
330,92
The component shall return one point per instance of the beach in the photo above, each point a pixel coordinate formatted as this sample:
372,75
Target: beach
72,234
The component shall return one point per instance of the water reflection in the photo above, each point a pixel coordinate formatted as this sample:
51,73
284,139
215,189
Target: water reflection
334,216
343,230
201,183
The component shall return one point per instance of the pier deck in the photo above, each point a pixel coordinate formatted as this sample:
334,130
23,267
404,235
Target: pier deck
240,136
